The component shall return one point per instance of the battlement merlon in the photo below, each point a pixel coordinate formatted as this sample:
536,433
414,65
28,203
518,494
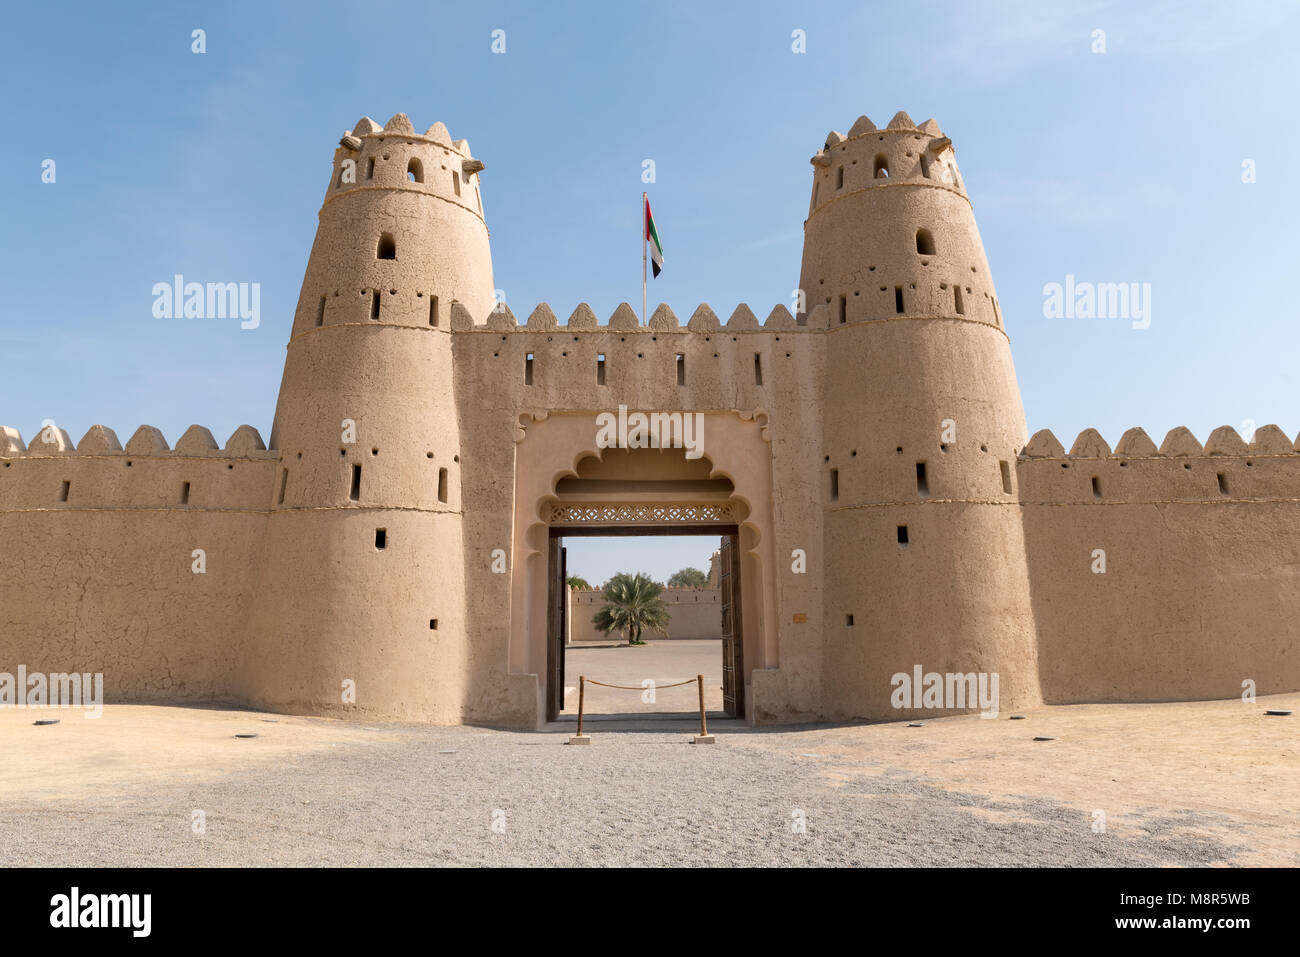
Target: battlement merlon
901,153
1179,442
1225,471
624,320
394,156
244,442
400,125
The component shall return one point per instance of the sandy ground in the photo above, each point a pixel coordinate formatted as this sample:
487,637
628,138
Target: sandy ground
1219,769
663,662
131,747
1210,783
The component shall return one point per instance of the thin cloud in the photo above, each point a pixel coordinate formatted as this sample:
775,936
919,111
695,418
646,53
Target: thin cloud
771,241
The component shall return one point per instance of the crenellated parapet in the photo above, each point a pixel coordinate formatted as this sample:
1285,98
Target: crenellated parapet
394,156
624,320
100,472
702,363
870,158
1225,469
244,442
890,233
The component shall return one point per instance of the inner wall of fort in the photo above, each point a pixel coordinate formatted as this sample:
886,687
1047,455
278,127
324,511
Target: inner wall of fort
870,449
695,614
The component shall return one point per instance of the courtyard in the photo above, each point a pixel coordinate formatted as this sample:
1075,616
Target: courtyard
662,662
1198,783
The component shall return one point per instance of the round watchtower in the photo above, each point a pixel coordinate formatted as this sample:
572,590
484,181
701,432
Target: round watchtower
361,583
925,553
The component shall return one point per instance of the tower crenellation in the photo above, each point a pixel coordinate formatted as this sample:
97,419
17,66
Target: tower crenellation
921,255
394,156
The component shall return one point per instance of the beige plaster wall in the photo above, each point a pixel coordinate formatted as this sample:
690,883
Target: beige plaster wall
105,581
1201,588
696,613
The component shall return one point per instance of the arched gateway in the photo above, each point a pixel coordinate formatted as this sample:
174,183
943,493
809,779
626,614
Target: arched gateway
572,486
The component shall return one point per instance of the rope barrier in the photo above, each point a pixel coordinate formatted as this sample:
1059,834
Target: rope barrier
657,687
581,738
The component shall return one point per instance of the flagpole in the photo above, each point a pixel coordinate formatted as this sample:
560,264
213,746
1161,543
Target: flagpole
644,200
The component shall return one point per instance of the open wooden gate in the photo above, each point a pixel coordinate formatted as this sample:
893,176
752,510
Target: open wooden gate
733,671
556,623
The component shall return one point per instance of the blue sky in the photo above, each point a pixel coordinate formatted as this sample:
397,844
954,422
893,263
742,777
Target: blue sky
597,559
1117,167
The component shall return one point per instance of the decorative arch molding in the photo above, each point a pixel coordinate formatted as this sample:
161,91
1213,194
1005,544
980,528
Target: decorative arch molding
549,447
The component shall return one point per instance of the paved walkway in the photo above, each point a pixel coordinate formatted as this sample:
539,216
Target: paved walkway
663,662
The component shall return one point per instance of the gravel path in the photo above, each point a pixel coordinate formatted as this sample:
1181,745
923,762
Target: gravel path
427,796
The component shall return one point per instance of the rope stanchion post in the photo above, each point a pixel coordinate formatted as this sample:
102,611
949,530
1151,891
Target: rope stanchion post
703,737
581,738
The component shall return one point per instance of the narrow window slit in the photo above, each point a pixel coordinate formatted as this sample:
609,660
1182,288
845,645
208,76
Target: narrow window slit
284,483
1005,469
835,484
320,313
528,369
898,299
64,490
442,485
185,493
381,538
922,483
374,304
433,311
355,493
1223,484
681,368
600,369
758,368
902,534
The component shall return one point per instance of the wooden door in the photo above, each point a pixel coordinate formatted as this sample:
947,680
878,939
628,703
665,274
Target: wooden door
555,629
733,645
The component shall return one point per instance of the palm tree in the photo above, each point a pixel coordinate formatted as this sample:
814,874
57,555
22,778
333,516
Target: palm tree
632,605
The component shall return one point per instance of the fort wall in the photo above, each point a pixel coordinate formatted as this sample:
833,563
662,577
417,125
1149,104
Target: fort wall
98,564
1163,574
770,370
892,510
695,613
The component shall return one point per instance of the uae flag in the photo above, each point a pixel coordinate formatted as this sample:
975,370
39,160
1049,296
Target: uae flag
652,237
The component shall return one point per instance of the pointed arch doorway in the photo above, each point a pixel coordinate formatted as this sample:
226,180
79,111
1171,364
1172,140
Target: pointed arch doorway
565,485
